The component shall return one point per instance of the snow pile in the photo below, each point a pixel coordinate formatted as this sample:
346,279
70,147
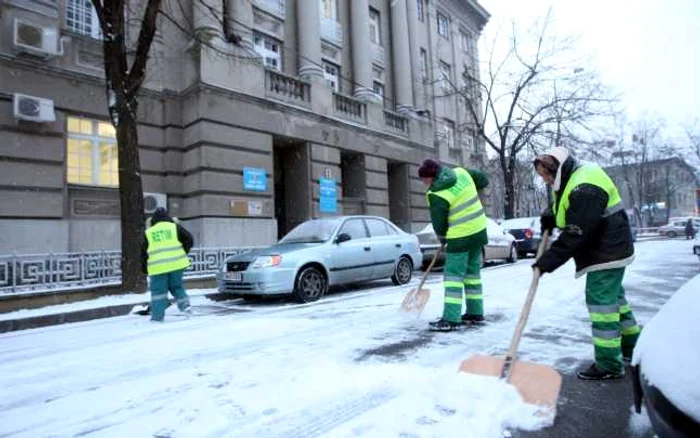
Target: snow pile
668,349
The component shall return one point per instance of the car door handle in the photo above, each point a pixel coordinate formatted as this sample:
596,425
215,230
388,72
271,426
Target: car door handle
398,245
367,248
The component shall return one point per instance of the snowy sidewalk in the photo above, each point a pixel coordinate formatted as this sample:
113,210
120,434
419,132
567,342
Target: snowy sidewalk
103,307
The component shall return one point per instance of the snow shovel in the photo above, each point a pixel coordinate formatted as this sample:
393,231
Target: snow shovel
415,299
538,384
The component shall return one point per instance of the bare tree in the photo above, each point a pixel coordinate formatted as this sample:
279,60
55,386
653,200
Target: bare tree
123,81
535,94
692,130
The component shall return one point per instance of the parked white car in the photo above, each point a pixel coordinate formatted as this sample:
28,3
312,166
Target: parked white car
676,226
501,245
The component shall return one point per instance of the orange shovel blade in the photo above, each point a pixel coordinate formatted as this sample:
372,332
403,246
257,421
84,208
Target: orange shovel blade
415,300
538,384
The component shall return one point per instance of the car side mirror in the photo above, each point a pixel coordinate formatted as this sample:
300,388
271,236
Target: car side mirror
342,237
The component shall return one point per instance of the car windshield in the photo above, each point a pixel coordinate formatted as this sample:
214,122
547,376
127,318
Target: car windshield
517,224
313,231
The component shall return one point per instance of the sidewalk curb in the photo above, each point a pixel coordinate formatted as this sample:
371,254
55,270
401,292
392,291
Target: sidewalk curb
12,325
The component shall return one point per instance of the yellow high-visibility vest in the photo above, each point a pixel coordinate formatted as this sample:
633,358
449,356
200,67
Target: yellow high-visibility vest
165,252
466,215
589,173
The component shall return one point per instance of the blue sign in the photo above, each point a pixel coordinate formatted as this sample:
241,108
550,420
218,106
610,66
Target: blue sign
254,179
329,196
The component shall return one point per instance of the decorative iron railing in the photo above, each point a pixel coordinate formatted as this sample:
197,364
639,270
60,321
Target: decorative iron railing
287,88
32,273
350,108
396,121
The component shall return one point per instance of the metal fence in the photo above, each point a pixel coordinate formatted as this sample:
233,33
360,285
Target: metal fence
32,273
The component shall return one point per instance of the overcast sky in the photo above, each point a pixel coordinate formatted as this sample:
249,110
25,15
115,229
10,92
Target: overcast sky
649,50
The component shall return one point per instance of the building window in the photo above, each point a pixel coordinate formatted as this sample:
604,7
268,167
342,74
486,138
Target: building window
449,132
443,25
375,31
81,18
445,76
331,73
270,50
91,153
378,89
419,8
424,65
329,9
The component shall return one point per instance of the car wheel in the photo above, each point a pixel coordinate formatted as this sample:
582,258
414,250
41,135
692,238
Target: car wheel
513,255
671,234
402,272
310,285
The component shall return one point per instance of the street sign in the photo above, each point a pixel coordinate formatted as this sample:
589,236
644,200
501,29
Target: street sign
254,179
329,196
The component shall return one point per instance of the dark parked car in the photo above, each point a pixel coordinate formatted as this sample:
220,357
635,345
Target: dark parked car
526,231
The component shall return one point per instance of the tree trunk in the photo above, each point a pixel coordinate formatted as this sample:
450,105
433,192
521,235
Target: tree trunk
509,184
131,201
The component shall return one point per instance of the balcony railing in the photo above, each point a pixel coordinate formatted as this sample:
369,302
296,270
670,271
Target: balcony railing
287,88
332,31
350,108
36,273
396,121
378,54
275,7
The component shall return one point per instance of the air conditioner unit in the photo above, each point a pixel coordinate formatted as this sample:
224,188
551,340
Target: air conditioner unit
151,201
33,109
37,40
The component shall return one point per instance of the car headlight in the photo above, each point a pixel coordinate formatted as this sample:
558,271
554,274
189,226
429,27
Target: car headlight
267,261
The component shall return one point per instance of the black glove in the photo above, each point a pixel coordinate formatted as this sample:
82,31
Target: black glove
547,221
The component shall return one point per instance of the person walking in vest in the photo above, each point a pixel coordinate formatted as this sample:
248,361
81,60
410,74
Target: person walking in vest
460,224
164,257
588,209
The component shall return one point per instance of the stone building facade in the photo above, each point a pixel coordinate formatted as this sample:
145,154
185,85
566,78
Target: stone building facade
235,138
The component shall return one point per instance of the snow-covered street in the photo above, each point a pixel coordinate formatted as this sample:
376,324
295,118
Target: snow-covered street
348,365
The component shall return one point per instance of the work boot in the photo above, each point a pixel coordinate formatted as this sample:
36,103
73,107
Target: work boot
473,319
443,325
595,373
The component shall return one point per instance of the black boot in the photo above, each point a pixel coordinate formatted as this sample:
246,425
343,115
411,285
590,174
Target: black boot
595,373
443,325
473,319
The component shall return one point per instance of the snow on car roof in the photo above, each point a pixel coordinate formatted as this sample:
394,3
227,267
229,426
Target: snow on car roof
518,223
668,350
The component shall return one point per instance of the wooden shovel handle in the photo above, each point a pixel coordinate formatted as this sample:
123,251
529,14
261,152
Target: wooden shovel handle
515,341
430,267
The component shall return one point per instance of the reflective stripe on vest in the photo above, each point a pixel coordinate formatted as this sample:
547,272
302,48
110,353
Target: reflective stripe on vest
165,252
466,215
589,173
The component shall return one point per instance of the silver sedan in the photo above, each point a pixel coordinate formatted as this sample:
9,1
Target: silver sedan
320,253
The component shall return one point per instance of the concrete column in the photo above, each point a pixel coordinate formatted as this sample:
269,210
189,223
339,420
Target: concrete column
402,56
361,49
208,19
240,21
309,25
414,52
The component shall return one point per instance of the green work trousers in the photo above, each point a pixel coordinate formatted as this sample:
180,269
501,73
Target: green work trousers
615,331
462,278
160,285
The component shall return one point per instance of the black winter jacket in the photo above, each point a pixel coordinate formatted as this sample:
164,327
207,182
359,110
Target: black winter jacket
184,236
595,242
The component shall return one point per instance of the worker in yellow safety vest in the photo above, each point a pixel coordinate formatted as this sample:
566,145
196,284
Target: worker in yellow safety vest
459,222
596,232
164,259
